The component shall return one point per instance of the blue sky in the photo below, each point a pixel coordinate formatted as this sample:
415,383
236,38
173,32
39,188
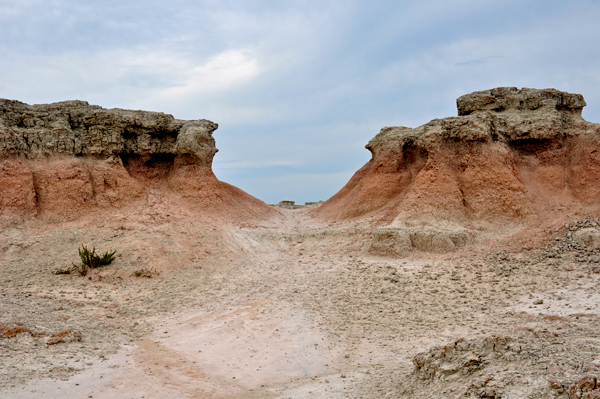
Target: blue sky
297,87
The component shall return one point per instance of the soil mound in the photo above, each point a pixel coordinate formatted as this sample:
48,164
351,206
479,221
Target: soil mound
513,157
62,160
537,364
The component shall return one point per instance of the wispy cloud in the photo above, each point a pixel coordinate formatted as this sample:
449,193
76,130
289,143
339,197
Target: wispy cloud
479,61
220,72
16,8
130,76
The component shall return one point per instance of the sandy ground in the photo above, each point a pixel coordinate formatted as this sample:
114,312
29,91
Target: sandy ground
291,308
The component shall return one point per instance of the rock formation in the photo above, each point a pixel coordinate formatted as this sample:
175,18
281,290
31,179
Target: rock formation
64,159
505,367
511,157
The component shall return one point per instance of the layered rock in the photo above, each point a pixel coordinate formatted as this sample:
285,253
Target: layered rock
512,156
64,159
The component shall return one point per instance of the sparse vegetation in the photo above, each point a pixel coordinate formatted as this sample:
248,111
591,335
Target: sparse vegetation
146,273
66,270
89,260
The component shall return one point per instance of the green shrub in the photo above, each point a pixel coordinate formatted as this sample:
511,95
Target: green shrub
89,260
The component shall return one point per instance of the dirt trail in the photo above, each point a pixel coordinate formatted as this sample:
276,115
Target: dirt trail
291,308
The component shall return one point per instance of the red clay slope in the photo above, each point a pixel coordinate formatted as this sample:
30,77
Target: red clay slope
511,156
60,161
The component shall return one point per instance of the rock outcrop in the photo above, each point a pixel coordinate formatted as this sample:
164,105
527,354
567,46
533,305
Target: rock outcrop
511,157
536,364
64,159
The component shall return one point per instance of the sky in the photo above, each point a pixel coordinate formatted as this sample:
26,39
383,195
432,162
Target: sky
298,88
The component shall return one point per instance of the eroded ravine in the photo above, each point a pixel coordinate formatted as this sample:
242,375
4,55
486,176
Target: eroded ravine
460,261
293,308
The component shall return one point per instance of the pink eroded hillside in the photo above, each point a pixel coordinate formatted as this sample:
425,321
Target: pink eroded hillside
512,156
63,160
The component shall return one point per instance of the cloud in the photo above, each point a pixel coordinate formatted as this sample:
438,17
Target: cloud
297,87
479,61
128,76
15,8
221,72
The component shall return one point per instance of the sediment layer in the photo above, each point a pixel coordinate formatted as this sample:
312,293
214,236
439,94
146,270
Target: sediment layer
512,155
64,159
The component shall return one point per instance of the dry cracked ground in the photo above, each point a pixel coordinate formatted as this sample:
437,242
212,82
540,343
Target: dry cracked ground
292,308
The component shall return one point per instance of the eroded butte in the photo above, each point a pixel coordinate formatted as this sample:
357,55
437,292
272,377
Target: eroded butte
462,261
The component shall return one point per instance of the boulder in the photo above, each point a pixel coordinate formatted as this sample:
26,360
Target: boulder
400,241
590,237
